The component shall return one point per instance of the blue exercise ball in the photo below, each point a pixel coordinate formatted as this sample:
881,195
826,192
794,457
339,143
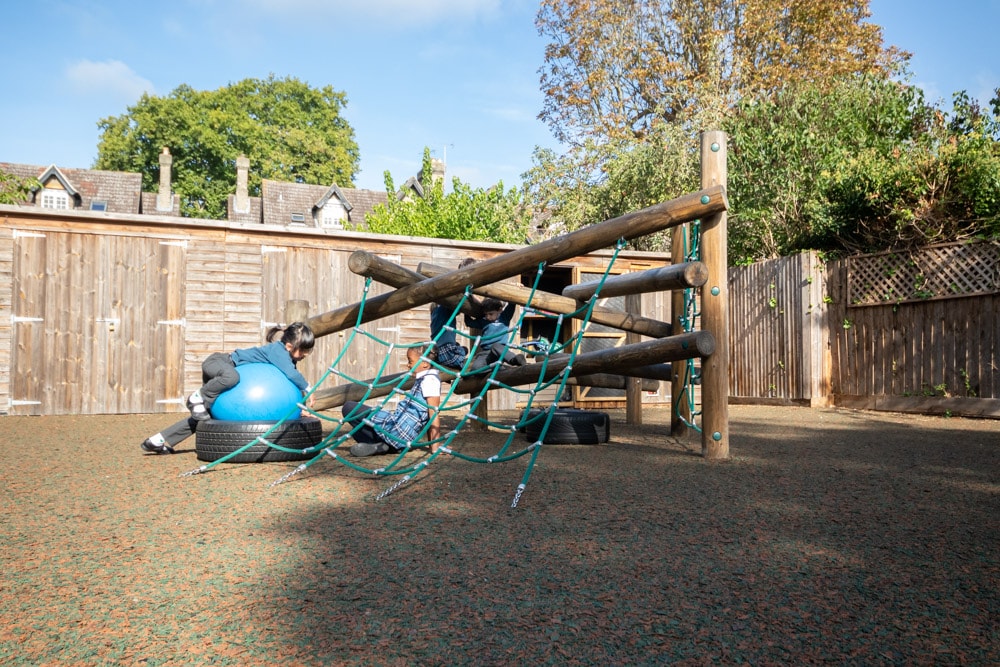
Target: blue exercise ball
264,393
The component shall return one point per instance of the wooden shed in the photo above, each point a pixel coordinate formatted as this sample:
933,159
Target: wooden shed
106,312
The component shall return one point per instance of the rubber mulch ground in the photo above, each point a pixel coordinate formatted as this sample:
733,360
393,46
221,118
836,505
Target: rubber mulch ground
830,537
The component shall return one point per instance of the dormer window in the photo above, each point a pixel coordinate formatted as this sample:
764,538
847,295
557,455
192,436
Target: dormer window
58,199
332,215
98,205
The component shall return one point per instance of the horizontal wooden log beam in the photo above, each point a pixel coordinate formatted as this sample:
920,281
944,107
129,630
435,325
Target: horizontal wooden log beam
370,265
674,348
675,212
555,303
675,276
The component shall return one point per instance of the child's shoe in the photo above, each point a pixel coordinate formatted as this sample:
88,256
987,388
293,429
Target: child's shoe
199,413
156,445
196,404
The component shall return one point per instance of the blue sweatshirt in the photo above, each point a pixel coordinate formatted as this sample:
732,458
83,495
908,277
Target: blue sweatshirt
275,354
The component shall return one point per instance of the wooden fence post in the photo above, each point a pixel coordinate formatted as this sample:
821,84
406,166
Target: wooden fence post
715,306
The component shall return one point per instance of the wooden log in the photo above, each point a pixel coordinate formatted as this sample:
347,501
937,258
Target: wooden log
715,306
580,242
633,385
644,354
610,381
555,303
675,276
372,266
296,310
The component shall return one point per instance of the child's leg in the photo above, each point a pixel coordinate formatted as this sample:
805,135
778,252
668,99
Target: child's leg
164,441
219,374
366,433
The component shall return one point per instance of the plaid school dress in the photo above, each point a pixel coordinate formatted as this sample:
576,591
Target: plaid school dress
400,427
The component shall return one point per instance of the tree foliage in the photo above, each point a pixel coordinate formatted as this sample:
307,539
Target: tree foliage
863,166
615,67
15,189
288,130
597,181
465,213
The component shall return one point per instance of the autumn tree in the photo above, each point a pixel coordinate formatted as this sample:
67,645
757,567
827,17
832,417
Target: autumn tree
288,130
614,67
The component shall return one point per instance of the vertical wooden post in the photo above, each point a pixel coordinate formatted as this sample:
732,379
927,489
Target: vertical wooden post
680,414
633,385
296,310
715,306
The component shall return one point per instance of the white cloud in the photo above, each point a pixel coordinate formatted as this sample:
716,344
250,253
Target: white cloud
109,78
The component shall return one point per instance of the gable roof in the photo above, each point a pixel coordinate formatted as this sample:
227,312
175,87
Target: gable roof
120,190
282,200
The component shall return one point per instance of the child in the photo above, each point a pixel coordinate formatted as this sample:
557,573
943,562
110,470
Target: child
219,371
398,428
449,352
495,324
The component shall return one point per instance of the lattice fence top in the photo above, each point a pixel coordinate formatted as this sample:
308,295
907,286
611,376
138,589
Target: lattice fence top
934,272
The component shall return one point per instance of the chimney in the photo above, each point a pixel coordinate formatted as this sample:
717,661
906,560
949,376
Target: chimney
164,199
242,202
437,170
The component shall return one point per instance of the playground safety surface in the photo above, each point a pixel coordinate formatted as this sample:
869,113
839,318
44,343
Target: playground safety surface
830,536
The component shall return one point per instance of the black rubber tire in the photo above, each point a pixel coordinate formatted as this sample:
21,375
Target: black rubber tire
216,438
570,427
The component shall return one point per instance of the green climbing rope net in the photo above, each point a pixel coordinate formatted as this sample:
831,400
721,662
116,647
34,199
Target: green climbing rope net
385,386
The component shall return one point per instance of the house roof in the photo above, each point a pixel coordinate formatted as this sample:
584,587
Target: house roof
281,201
120,190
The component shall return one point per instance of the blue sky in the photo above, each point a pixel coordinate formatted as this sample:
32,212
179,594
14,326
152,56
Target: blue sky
457,76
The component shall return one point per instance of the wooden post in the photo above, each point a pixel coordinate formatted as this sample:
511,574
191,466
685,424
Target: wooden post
715,305
493,270
633,386
680,413
296,310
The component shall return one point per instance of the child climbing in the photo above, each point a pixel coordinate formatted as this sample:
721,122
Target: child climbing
220,372
495,325
384,432
449,352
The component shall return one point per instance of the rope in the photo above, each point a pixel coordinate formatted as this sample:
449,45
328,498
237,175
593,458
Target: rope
445,445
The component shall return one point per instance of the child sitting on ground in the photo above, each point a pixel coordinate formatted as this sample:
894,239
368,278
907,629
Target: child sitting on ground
220,372
384,432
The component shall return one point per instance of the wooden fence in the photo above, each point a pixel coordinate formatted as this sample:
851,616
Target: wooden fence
106,315
913,332
103,313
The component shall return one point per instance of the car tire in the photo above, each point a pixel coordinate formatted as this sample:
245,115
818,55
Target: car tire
216,438
570,427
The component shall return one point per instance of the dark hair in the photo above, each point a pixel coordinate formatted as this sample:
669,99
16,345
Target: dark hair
297,334
468,261
490,303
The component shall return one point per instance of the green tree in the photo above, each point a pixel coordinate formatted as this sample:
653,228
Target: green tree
615,67
287,129
599,181
15,189
466,213
862,166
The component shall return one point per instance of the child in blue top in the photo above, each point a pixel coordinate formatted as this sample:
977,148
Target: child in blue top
449,352
495,325
219,371
384,432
